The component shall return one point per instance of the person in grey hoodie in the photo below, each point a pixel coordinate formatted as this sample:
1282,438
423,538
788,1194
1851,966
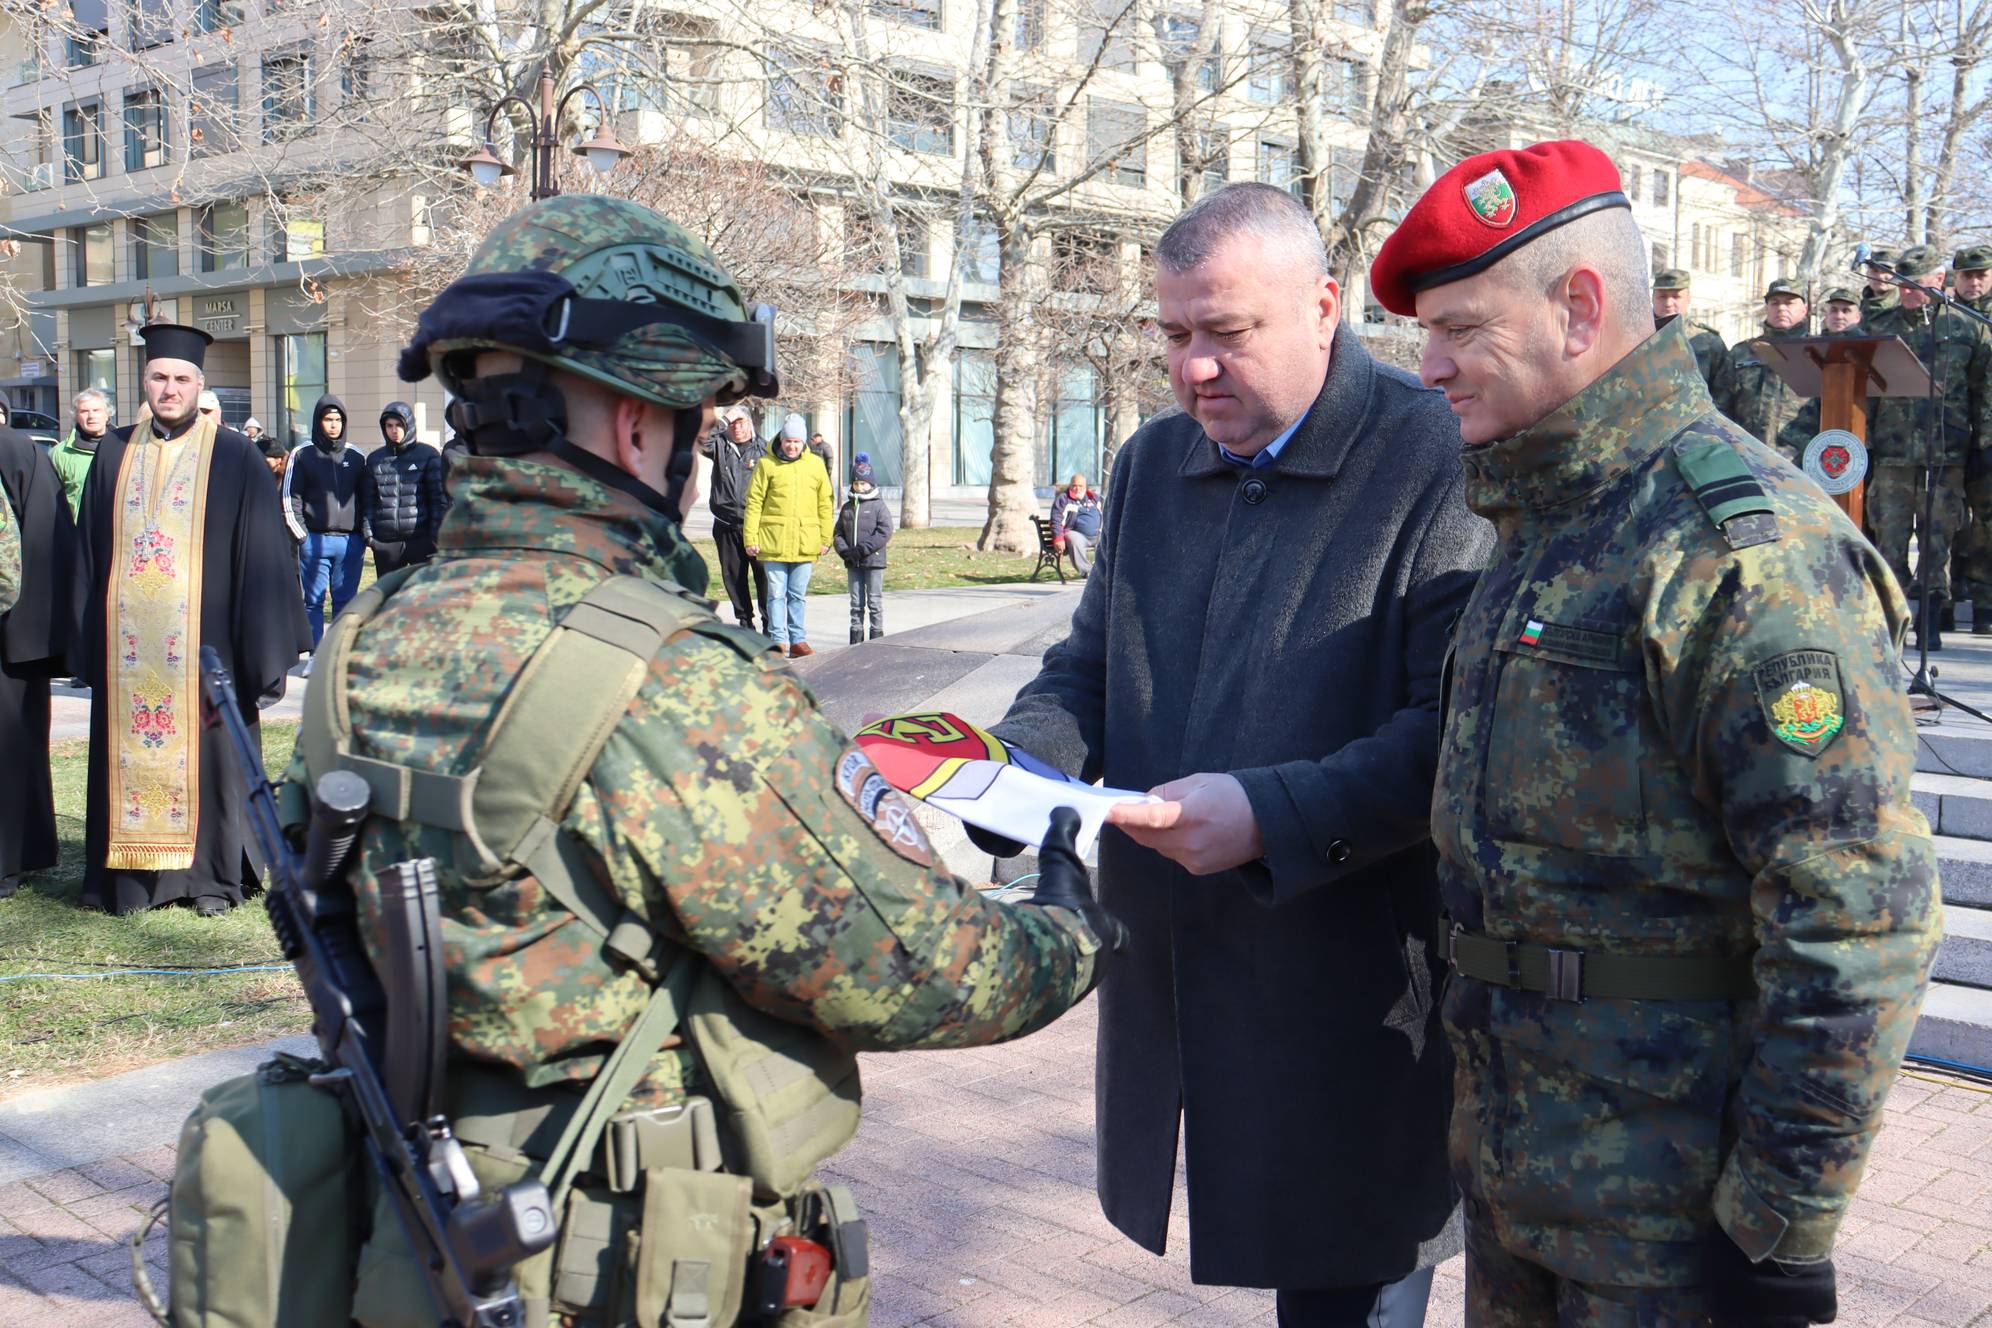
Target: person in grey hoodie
405,500
325,503
864,528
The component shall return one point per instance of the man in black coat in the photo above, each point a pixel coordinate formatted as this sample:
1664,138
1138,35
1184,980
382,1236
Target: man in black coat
734,452
404,500
1261,644
33,638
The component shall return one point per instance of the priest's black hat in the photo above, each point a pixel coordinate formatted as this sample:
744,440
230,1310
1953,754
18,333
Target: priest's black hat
171,341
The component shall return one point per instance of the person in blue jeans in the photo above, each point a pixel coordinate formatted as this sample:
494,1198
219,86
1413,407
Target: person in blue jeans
325,502
788,527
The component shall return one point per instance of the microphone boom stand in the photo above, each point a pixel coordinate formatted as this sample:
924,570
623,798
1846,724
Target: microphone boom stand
1924,683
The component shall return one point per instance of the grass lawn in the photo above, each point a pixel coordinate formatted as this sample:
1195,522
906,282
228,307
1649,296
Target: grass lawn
51,1030
930,559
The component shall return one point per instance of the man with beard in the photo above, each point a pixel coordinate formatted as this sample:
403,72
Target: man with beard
33,635
325,503
180,547
404,499
74,454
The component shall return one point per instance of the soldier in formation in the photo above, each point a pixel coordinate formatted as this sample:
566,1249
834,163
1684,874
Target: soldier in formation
717,826
1879,292
1750,390
1840,313
1971,276
1692,907
1670,301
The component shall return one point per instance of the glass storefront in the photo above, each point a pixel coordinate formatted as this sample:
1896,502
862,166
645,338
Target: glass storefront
98,369
300,361
975,415
872,422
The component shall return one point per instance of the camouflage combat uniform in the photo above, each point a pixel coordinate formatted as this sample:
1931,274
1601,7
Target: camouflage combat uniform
1897,435
1751,393
1711,352
10,556
1661,745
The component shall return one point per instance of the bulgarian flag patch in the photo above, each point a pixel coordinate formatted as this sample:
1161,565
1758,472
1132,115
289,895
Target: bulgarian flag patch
1532,634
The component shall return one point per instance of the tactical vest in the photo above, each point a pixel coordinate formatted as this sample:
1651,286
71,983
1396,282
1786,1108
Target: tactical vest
651,1182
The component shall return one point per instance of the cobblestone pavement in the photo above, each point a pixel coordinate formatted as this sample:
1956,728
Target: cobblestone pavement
976,1171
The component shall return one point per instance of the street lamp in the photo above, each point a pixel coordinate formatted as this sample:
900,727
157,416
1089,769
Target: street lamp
602,151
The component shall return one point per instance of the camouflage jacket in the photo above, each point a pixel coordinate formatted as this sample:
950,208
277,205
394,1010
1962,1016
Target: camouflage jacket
1750,391
715,813
1897,427
1662,745
1711,352
10,556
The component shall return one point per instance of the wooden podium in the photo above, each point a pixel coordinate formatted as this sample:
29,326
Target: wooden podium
1843,372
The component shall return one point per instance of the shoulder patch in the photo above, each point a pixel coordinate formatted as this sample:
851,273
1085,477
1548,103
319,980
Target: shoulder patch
1727,489
1801,698
882,807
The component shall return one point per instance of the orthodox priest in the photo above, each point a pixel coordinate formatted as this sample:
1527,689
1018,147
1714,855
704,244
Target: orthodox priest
180,547
33,636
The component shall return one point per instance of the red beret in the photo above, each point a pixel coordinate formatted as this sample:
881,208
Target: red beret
1484,209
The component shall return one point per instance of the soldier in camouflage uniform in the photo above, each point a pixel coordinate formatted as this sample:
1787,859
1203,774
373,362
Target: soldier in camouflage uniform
1900,436
10,556
1840,313
1670,301
1750,391
725,818
1971,273
1879,293
1971,557
1692,906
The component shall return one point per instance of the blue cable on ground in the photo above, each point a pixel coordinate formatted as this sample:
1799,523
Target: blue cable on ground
147,972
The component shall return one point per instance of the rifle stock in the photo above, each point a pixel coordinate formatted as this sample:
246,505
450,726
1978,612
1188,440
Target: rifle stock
465,1245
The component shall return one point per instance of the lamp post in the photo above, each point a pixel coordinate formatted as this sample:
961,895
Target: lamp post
487,168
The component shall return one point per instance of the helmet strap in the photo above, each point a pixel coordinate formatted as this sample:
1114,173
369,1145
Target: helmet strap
518,413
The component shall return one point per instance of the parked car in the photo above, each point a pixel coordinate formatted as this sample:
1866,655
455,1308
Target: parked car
44,429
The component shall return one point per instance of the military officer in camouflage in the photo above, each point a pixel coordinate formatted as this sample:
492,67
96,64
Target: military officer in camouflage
1902,441
1840,313
724,827
1750,391
1670,301
1971,275
1879,293
1692,907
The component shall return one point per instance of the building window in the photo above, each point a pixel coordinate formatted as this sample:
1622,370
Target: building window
300,382
1662,255
214,15
99,369
1279,165
214,117
1632,182
803,98
1075,427
919,112
1179,34
83,142
93,255
975,415
287,96
41,168
1115,133
914,241
224,236
1084,261
1030,24
90,31
1209,152
1268,57
1033,128
295,237
1659,189
1106,33
145,129
150,23
871,422
981,252
917,13
155,246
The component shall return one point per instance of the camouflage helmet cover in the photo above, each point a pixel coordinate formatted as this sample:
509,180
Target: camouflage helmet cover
614,249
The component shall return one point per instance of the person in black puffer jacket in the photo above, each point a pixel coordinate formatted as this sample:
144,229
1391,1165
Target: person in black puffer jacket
405,497
864,527
325,493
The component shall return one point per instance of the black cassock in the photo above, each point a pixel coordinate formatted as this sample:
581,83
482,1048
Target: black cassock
252,613
33,637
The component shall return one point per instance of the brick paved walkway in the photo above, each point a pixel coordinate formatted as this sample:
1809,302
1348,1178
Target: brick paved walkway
976,1170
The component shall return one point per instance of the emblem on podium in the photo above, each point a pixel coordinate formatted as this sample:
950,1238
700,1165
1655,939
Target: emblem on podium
1836,460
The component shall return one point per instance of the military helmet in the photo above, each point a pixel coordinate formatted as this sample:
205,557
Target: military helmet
613,249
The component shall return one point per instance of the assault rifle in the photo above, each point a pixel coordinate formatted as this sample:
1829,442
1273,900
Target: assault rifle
465,1244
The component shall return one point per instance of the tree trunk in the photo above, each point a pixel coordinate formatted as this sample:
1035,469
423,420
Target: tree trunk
1835,147
1013,458
1917,221
1309,41
1964,115
1388,145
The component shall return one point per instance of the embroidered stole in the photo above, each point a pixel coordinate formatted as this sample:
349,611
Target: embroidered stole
152,624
